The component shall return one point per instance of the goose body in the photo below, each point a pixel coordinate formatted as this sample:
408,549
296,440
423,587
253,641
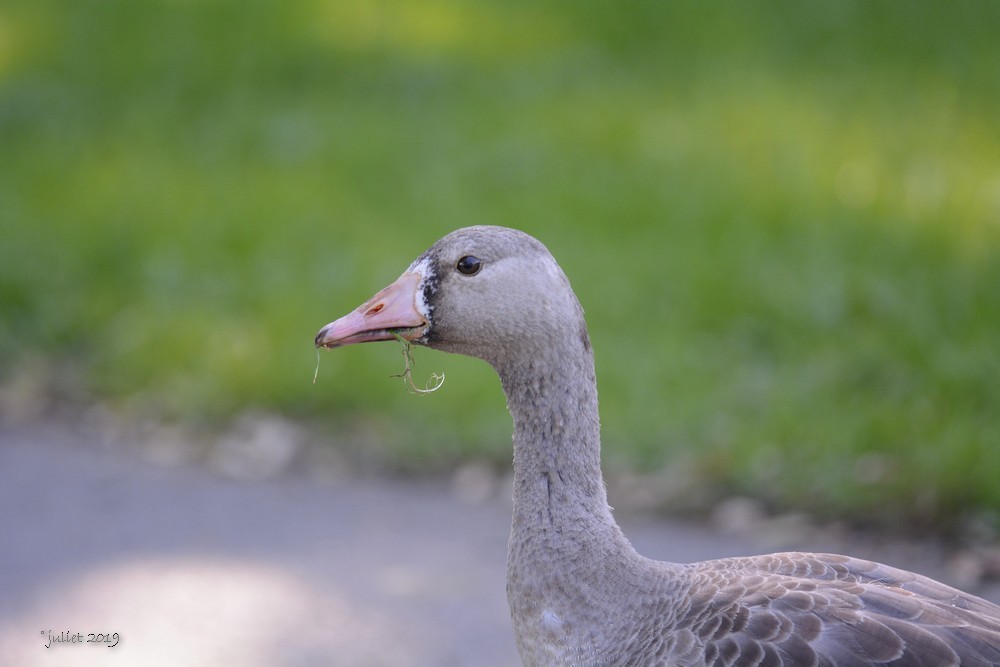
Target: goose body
579,593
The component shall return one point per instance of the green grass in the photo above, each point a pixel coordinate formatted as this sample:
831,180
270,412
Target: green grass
783,220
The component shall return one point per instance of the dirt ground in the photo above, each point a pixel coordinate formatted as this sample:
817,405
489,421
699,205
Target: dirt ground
188,564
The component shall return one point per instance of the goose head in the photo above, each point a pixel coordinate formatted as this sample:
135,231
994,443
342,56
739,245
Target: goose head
488,292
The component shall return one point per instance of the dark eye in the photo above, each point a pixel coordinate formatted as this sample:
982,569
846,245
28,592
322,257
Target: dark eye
469,265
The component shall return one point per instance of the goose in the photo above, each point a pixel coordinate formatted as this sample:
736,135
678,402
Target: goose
579,593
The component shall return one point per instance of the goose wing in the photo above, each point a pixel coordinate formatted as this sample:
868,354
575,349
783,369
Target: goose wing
820,609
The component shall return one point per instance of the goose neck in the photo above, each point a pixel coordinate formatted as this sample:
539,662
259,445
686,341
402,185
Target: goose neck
557,448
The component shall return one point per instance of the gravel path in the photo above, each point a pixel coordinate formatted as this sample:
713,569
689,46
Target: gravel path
190,567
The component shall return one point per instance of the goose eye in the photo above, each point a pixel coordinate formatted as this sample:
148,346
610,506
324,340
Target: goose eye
469,265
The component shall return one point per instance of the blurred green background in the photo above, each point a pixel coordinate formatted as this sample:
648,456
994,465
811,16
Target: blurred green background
782,218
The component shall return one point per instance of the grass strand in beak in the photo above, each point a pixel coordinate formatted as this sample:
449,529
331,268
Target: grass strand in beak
434,382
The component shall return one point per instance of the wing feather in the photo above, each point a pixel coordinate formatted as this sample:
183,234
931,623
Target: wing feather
819,609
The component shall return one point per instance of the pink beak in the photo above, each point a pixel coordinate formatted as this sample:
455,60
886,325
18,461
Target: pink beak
391,312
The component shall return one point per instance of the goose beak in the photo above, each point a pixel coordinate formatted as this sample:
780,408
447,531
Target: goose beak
391,312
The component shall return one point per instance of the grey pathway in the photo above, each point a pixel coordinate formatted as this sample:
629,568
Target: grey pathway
192,568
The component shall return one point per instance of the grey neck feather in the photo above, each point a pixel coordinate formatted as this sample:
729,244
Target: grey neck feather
567,557
557,447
